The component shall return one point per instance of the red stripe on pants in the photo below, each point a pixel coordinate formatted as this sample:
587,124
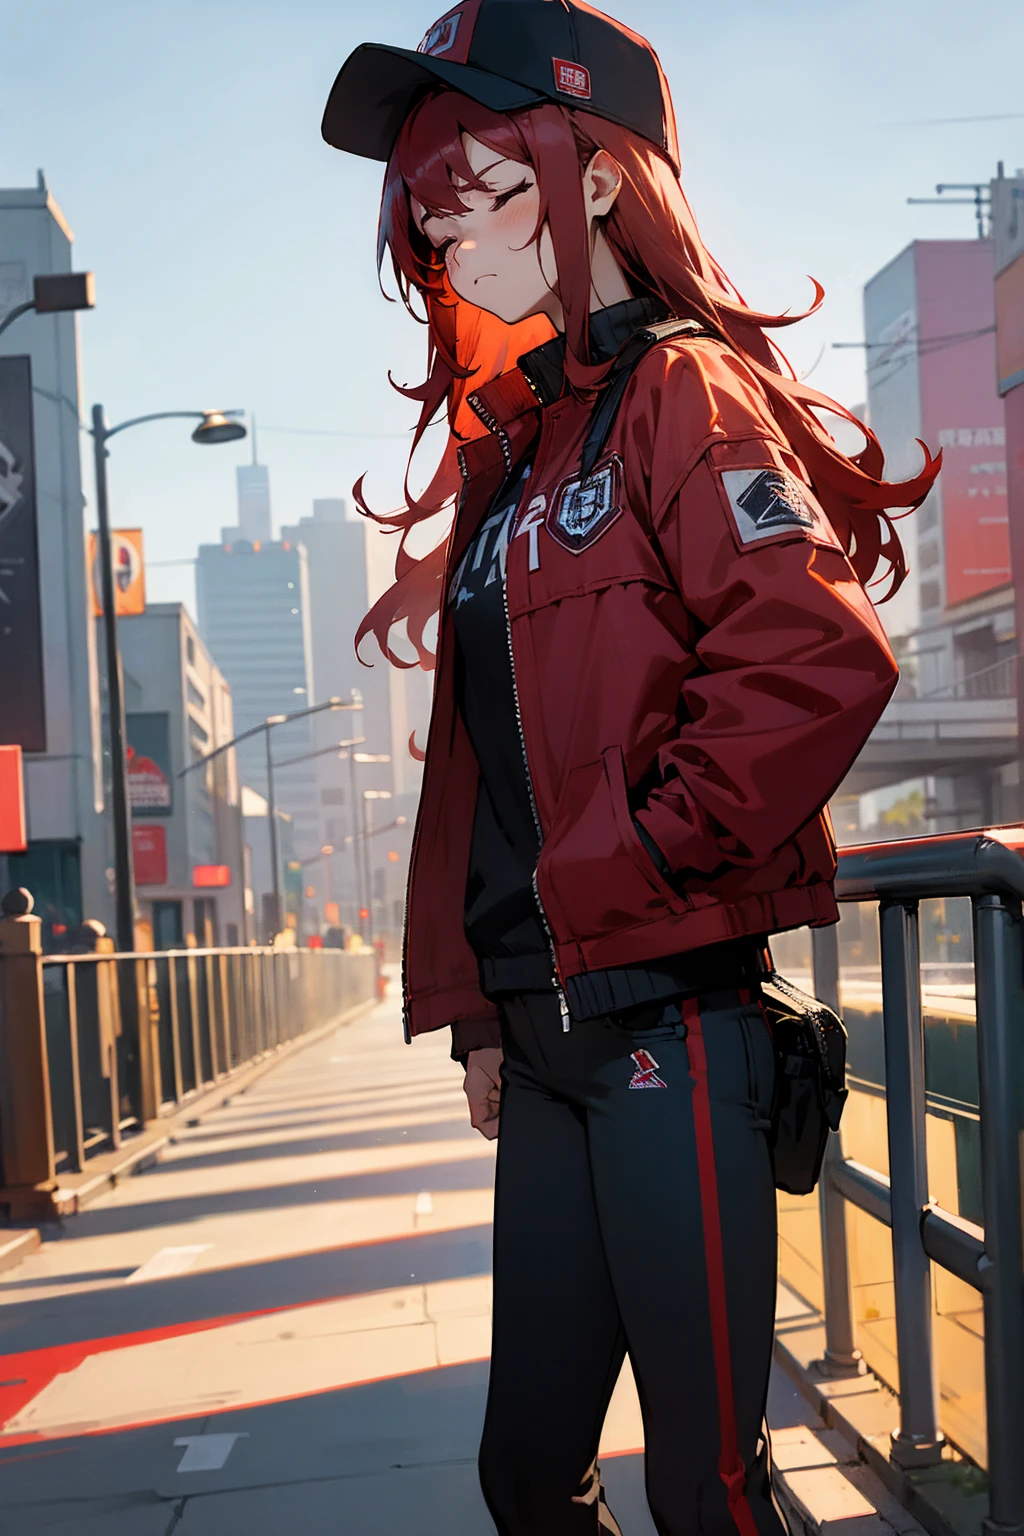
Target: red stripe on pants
730,1464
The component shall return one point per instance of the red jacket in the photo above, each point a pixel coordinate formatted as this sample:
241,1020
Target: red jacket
691,612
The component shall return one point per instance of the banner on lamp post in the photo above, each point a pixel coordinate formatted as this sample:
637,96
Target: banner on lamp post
129,564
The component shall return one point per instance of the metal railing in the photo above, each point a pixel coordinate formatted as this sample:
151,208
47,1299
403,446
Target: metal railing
95,1047
997,681
987,867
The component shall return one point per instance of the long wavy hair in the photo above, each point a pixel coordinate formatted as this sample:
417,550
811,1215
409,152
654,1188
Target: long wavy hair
654,238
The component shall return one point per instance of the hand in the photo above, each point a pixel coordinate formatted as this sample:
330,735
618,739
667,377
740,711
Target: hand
483,1089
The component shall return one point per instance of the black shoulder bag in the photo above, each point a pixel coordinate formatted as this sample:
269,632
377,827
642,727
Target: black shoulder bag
810,1081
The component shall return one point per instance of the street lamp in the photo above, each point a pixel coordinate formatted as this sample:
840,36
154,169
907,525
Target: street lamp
214,427
333,703
362,865
54,293
370,794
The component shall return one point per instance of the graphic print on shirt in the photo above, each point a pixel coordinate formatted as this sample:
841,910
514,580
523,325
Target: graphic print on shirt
646,1074
582,510
484,560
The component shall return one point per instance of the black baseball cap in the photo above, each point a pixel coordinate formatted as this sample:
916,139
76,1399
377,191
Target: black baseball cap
505,54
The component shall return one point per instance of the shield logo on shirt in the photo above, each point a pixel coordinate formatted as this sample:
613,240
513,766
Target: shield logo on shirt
582,510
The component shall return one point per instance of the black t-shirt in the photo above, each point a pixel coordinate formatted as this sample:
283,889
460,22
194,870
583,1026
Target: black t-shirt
502,916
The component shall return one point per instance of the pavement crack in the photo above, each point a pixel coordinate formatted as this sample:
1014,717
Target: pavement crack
179,1510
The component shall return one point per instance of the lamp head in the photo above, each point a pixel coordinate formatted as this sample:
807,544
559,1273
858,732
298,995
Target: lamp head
217,427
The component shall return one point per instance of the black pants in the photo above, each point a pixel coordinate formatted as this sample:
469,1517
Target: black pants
634,1211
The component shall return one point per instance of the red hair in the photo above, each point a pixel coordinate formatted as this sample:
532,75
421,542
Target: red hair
653,235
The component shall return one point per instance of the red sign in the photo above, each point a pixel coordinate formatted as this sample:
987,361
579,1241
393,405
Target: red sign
12,802
149,788
149,855
211,874
314,941
572,79
975,513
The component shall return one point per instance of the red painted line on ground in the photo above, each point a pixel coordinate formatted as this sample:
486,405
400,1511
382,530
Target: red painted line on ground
40,1366
36,1437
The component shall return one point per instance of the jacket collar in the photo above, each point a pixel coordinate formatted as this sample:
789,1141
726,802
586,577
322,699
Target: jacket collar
539,377
610,329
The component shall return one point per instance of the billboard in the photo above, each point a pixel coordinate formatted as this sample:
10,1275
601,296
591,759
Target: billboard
149,764
129,564
961,411
22,710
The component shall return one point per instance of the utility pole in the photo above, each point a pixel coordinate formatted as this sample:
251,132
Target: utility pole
124,873
981,200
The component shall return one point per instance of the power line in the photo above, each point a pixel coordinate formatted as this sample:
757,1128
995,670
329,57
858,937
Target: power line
326,432
936,122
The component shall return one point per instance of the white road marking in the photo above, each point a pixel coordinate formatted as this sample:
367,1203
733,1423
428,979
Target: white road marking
168,1261
207,1453
424,1204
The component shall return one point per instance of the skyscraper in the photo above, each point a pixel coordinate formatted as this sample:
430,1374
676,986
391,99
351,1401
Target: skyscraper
254,616
254,520
338,599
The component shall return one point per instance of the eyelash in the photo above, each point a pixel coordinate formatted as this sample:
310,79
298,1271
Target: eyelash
506,197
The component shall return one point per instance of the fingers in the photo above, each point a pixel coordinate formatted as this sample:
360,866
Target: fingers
484,1098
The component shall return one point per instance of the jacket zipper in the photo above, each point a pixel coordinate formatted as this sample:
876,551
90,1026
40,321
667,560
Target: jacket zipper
563,1006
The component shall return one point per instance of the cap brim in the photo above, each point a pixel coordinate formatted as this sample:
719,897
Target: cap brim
377,86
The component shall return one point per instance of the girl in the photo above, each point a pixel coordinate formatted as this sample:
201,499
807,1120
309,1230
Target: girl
655,663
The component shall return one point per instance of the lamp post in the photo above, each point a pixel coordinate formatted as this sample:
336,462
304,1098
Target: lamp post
333,703
370,794
362,864
214,427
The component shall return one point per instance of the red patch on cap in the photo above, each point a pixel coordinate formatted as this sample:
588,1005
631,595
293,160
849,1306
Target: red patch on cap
572,79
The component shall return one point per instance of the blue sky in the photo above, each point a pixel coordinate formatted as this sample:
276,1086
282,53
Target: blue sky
234,252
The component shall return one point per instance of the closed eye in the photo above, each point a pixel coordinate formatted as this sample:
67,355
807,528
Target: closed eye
501,198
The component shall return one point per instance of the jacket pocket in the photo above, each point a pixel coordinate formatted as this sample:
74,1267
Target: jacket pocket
595,875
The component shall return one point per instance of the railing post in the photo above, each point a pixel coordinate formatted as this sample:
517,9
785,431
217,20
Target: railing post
918,1441
842,1357
26,1117
148,1036
999,983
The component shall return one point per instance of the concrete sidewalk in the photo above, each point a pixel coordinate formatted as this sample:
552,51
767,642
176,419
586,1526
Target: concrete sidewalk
283,1326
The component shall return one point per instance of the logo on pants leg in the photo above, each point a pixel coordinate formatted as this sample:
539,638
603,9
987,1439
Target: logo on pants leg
646,1074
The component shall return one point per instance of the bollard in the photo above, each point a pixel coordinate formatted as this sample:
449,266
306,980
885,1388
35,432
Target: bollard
26,1117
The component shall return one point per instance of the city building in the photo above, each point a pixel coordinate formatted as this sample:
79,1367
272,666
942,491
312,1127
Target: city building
49,693
339,596
187,835
253,601
1007,212
948,737
254,516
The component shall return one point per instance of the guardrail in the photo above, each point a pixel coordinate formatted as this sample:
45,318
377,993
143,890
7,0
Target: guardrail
96,1047
987,867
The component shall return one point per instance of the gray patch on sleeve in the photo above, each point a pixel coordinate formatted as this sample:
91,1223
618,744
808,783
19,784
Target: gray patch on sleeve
767,502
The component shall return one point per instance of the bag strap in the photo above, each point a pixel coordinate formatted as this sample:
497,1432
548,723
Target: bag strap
626,364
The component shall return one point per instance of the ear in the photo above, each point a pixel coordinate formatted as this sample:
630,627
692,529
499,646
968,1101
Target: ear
602,181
